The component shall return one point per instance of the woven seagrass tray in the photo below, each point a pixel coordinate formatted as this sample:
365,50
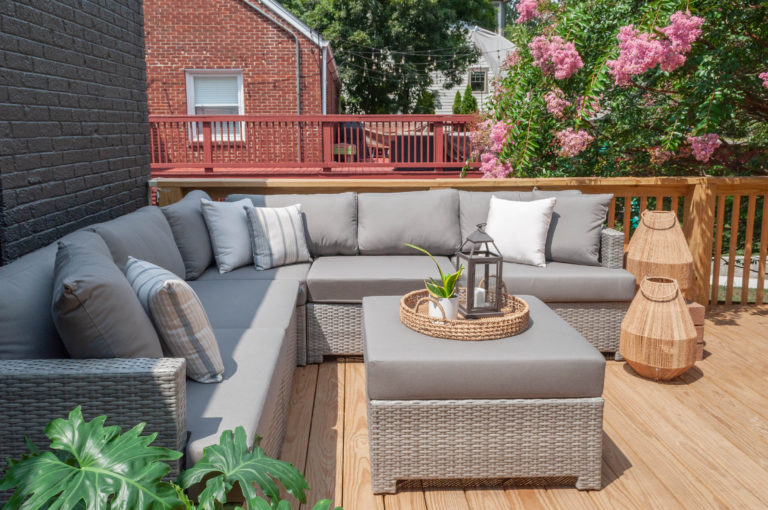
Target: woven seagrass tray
414,314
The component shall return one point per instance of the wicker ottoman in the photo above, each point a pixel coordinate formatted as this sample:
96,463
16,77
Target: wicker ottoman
528,406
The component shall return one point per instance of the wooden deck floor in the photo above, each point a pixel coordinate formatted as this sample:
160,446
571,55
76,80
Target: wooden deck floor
699,442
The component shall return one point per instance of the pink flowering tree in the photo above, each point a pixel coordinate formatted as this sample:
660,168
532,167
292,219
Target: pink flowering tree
620,87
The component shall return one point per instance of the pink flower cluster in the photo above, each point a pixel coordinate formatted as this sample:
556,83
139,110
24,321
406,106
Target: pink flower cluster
527,10
764,77
640,51
498,136
573,141
659,155
555,56
556,103
492,167
512,59
704,146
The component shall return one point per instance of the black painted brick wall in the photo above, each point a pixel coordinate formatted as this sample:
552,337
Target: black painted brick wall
73,117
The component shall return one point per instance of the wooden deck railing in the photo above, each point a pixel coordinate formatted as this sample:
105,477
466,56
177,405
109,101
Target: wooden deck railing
306,143
722,217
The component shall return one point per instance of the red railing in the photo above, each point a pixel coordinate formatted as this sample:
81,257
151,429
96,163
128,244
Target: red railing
350,144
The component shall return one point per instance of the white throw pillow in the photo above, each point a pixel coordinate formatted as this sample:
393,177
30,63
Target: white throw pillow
228,227
277,236
520,229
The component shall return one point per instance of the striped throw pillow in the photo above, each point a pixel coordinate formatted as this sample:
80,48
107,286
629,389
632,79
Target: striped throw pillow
277,236
179,318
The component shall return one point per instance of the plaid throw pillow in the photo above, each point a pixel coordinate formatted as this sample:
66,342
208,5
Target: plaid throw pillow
277,236
179,318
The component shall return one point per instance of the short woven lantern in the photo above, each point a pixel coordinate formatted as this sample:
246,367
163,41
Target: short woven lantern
658,248
658,338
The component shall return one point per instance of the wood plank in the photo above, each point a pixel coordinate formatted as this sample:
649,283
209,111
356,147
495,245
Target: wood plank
406,499
732,249
299,421
487,499
698,225
710,457
357,491
325,453
746,272
531,498
438,499
627,215
763,253
719,224
612,213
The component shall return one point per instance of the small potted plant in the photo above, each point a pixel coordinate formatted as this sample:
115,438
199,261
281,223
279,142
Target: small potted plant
444,291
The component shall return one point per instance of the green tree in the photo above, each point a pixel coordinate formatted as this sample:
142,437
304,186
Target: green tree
387,51
592,120
468,103
457,103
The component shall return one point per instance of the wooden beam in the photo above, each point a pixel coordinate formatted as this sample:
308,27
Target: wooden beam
698,225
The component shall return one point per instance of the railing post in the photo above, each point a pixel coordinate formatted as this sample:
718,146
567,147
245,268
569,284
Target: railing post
327,146
437,145
207,146
698,225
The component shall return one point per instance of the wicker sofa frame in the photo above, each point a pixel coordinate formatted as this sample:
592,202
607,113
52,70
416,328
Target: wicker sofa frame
335,329
521,438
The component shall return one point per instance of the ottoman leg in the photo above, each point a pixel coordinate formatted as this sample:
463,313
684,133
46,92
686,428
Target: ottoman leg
383,485
587,483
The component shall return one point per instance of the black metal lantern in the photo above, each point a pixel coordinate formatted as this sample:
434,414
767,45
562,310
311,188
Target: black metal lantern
482,276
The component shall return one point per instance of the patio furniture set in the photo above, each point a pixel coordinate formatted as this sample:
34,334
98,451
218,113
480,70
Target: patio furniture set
525,406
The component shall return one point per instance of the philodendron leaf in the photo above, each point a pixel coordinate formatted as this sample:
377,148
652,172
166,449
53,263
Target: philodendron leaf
435,289
232,462
97,467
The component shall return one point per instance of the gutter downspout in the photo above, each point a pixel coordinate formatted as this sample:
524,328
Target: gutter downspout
298,66
325,80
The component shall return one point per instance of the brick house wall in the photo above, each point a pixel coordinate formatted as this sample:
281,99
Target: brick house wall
229,34
73,118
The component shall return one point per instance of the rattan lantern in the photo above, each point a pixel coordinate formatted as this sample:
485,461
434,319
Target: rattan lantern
658,248
482,276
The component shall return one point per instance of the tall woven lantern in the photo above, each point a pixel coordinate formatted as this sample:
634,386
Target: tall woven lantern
658,248
658,338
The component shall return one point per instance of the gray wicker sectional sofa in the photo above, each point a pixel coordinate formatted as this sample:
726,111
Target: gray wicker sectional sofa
267,322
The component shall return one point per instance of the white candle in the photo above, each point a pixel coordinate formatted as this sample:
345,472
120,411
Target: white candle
480,296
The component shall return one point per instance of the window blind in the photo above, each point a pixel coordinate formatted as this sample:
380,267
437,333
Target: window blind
216,90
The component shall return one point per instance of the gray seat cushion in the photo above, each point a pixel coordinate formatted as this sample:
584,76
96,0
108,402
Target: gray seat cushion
330,219
561,282
243,304
249,394
296,272
350,279
549,360
430,219
95,309
145,235
27,330
185,218
473,207
574,232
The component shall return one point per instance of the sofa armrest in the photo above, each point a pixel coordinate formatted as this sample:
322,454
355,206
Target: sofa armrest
128,391
612,248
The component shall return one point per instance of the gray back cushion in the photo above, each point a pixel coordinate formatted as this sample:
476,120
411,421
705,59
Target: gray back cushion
95,309
26,327
143,234
473,206
545,193
185,218
330,219
430,219
574,232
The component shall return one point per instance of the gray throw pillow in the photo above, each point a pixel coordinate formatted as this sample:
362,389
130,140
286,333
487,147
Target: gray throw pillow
574,232
228,227
143,234
185,218
277,236
96,312
179,318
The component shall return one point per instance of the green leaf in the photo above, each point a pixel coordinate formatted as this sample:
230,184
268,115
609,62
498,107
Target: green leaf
232,462
435,289
324,504
450,283
430,256
97,467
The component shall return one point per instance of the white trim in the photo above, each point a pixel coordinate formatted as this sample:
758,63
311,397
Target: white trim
190,75
483,70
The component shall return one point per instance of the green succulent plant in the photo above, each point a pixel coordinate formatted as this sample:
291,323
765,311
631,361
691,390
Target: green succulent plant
446,288
96,467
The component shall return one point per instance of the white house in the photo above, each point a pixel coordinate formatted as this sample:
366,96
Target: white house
492,49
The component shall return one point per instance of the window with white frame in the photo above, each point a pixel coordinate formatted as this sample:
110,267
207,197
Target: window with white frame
478,80
216,92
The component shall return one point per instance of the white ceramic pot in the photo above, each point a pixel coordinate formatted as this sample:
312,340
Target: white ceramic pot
450,307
